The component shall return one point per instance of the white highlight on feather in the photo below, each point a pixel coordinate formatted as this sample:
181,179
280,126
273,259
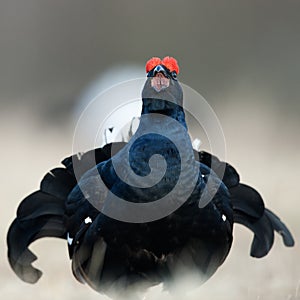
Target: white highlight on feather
79,155
88,220
196,144
69,239
224,218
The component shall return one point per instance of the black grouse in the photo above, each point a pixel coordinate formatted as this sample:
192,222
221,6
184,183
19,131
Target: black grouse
118,231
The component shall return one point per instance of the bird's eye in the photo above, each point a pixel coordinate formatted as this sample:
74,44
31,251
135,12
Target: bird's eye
150,73
174,75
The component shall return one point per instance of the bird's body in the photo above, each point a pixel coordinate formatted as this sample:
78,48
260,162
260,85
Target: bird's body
107,250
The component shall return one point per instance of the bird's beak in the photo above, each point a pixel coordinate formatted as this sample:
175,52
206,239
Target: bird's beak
160,80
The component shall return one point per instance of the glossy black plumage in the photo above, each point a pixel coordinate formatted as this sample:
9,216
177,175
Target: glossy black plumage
43,214
110,254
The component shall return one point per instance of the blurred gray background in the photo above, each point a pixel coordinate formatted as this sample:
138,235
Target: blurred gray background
242,56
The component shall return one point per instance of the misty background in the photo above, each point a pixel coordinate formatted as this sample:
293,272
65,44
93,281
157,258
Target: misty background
241,56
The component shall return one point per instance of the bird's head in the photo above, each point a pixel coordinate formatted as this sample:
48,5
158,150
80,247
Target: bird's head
162,83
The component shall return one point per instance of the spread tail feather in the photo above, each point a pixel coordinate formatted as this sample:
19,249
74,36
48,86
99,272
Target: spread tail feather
249,208
249,211
41,214
280,227
21,234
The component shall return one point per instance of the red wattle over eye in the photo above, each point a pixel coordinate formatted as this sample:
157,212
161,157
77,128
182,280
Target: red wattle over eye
169,62
152,63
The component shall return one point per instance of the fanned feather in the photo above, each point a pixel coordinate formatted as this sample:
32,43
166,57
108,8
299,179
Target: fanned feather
249,208
21,234
247,200
280,227
263,233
